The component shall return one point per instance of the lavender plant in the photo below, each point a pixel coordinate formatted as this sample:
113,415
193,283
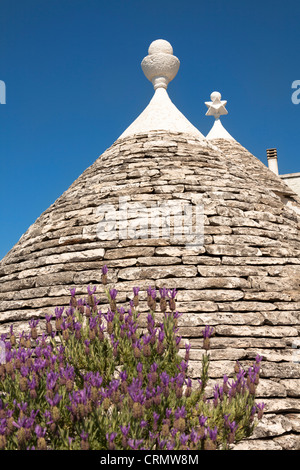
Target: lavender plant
97,380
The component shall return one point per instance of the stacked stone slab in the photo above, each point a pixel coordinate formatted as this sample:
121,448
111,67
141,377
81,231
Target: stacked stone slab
244,281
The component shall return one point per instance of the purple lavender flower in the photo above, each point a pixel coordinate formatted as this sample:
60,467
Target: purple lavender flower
77,326
182,366
94,379
125,430
32,384
114,385
135,443
135,391
3,426
104,270
73,292
33,323
55,401
91,291
170,446
161,336
176,315
48,417
64,325
113,294
146,339
152,293
93,322
260,410
233,426
109,316
111,437
23,422
79,396
143,424
123,375
213,433
61,349
218,393
180,412
226,420
87,342
172,293
59,311
70,312
22,406
260,406
207,332
149,291
51,380
165,379
194,436
202,420
84,436
188,382
163,292
183,439
179,380
24,371
40,432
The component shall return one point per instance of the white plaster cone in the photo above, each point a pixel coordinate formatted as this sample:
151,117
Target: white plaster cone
160,67
161,115
218,131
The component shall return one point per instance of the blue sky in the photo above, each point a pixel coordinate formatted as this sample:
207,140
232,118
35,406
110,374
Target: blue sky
74,84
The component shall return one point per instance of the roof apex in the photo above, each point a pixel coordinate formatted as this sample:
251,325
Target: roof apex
160,66
216,108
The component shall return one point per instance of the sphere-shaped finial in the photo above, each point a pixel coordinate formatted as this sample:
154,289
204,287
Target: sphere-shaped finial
160,45
215,96
160,66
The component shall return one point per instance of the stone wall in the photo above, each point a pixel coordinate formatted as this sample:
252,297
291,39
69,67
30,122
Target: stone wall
293,181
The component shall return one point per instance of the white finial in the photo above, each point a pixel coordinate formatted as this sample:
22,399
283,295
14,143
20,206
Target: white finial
216,108
160,66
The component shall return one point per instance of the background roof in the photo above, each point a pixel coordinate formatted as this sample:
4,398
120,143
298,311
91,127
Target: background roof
74,84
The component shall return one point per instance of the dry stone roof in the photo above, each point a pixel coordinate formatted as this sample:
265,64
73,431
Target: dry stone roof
244,280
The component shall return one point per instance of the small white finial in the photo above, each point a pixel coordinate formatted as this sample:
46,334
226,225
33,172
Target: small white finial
160,66
216,107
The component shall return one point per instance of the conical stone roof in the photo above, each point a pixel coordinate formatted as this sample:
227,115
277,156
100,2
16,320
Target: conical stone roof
244,279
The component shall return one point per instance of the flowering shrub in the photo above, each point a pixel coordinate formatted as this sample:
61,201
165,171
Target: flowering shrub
97,380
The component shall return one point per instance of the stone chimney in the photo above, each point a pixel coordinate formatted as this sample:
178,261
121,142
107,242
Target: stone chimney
272,160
